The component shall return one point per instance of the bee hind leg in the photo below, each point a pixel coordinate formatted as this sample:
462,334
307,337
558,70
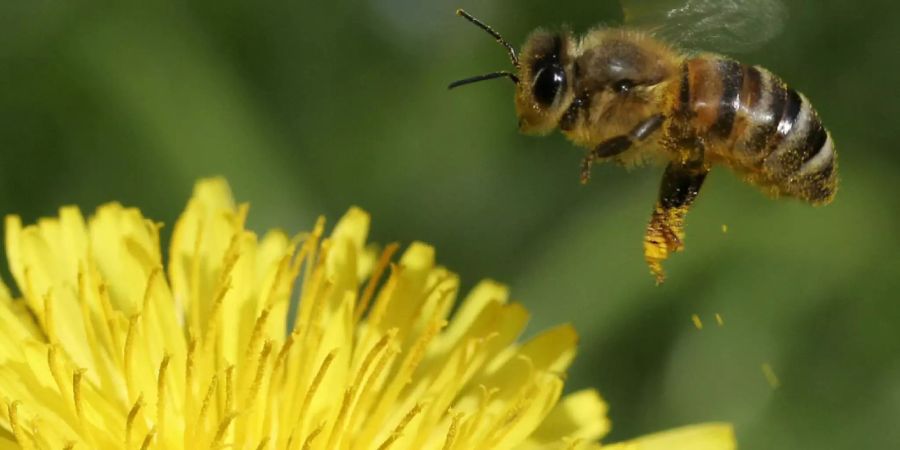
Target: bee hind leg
665,233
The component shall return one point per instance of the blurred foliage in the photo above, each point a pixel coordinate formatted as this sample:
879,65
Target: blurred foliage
309,107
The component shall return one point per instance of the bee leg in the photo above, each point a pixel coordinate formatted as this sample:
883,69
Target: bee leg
618,144
606,149
665,232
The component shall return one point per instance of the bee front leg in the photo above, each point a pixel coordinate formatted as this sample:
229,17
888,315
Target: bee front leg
665,232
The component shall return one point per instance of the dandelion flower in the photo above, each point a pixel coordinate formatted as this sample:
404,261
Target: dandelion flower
110,349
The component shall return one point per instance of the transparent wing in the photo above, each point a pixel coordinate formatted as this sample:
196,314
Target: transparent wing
730,26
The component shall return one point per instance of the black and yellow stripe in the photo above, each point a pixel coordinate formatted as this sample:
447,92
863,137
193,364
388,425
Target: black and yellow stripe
751,120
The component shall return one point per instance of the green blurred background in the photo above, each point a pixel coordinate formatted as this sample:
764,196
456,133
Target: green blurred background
309,107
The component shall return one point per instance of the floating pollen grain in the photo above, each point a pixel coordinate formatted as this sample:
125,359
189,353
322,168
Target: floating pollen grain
697,322
719,320
771,378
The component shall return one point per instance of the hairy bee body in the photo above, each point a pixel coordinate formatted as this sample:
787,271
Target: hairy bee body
751,121
742,116
628,97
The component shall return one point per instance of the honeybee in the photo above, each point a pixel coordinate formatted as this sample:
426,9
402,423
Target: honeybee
628,95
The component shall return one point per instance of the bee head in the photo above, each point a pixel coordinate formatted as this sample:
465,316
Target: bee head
542,78
545,89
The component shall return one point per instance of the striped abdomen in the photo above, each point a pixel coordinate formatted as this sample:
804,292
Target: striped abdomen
751,121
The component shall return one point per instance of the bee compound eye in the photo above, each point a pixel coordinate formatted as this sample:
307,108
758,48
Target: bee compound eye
548,83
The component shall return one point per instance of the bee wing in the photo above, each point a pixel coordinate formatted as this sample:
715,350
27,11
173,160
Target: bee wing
729,26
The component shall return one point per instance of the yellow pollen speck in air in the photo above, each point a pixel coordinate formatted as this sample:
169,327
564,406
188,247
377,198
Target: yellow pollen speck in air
719,320
698,324
724,228
311,341
771,378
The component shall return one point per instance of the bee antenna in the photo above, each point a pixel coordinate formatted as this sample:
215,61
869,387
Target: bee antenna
487,76
496,35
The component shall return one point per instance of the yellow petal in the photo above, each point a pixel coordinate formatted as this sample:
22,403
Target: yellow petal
711,436
108,349
580,415
125,247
